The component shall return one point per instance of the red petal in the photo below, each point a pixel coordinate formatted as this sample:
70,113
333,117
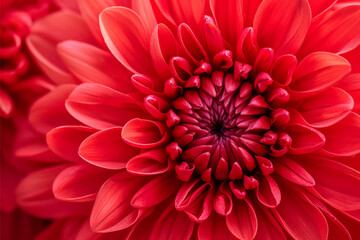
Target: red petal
293,172
318,71
7,104
152,162
195,198
112,210
172,224
49,111
242,222
229,18
300,218
322,111
335,182
67,4
283,68
79,183
102,107
106,149
125,35
144,133
304,139
351,84
283,33
94,65
35,196
144,9
336,31
268,191
65,141
155,191
318,6
214,228
91,9
342,138
163,46
47,33
268,227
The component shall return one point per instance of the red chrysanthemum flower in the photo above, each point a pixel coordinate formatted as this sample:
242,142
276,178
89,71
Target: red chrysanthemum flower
215,120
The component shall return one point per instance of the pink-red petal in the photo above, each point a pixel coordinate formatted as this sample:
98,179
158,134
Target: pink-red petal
107,149
282,32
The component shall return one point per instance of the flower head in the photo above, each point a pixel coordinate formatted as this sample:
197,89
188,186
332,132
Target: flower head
213,116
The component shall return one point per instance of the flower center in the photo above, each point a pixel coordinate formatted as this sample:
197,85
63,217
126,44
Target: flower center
227,124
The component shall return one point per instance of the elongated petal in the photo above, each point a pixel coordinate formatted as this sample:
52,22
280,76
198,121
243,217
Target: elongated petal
336,32
318,6
322,111
300,218
342,138
112,210
125,35
152,162
163,46
156,191
304,139
268,191
47,33
34,195
229,18
351,84
335,182
293,172
107,149
90,11
7,104
268,227
101,107
49,111
318,71
65,141
94,65
144,9
282,32
144,133
165,227
214,228
242,222
79,183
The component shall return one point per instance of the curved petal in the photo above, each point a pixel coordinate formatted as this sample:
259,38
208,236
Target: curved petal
242,221
144,133
342,138
268,227
94,65
321,111
155,191
106,149
214,228
34,195
101,107
304,139
282,32
49,111
47,33
336,183
268,191
90,11
293,172
318,6
144,9
352,57
125,35
152,162
163,46
351,84
335,32
7,104
64,141
318,71
112,210
228,15
79,183
301,219
166,226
